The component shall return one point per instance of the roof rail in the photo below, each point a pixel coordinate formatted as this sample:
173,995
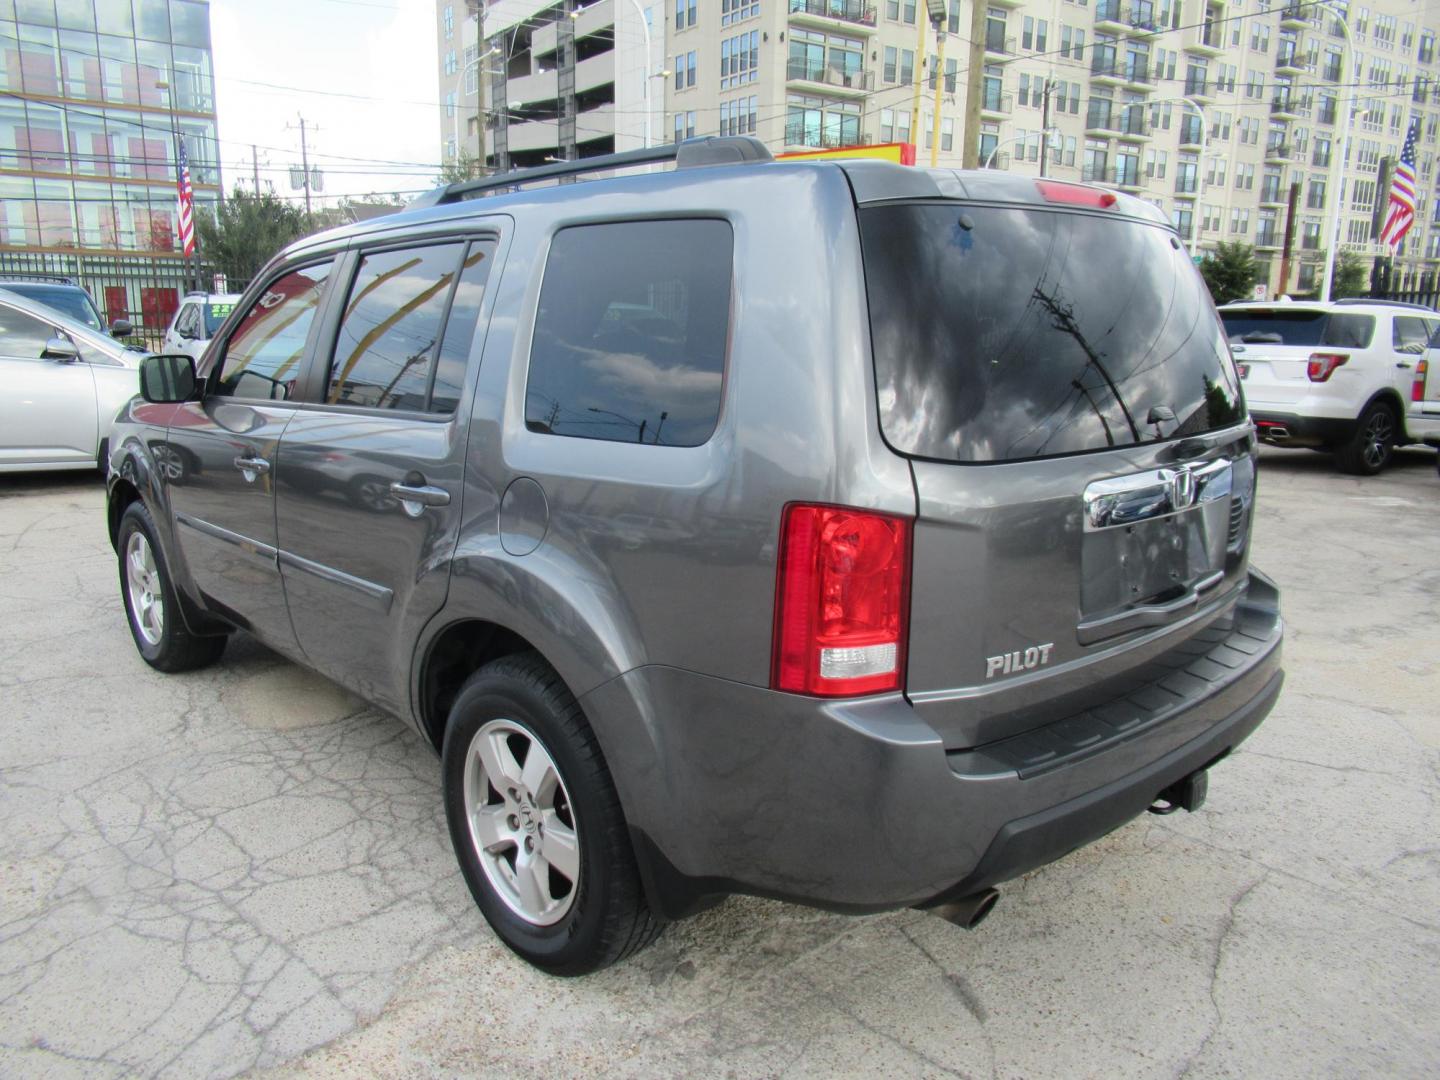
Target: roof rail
1385,303
692,153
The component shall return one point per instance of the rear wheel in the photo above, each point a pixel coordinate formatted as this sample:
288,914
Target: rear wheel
536,823
151,602
1369,449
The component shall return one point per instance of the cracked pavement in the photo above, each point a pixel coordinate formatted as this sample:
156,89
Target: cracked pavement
246,870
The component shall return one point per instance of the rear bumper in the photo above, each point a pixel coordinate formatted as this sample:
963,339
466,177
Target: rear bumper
857,806
1291,429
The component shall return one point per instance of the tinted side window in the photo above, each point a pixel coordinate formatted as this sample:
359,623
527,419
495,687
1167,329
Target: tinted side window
1409,330
1349,331
388,335
22,335
631,332
460,329
262,357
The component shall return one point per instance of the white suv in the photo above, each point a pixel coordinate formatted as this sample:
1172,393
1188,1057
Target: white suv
196,320
1334,376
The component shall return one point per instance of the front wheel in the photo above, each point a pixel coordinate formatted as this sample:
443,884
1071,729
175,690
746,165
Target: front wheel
536,823
151,602
1369,449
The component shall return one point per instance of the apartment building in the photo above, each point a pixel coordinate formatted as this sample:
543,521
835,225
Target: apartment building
93,94
564,80
1211,110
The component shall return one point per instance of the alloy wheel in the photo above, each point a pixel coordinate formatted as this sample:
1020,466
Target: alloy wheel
147,598
522,822
1378,436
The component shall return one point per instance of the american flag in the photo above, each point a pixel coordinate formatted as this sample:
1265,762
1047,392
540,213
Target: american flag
1402,194
187,200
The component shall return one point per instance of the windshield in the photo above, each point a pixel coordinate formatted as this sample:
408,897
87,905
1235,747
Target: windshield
215,314
1004,333
1306,327
66,299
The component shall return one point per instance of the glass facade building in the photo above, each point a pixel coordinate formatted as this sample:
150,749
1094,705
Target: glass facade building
92,93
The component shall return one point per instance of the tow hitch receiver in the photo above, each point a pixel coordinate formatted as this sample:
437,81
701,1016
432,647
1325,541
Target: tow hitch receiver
1187,794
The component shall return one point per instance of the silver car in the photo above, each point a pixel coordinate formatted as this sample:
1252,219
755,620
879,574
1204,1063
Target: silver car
62,385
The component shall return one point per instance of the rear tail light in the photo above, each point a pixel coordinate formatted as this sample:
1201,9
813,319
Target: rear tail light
842,601
1417,388
1058,191
1322,365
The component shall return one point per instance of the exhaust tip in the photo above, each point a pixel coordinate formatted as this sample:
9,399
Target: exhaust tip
969,911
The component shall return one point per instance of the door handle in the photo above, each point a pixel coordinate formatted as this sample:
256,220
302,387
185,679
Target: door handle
414,498
251,467
1403,363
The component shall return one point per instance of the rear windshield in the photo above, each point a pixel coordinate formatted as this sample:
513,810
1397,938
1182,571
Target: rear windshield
215,314
1257,326
1006,333
64,299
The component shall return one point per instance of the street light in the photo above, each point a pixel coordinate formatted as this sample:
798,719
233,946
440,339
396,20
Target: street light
1049,133
1336,169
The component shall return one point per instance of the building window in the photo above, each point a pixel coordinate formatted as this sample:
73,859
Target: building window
733,11
740,60
892,63
449,19
690,68
472,70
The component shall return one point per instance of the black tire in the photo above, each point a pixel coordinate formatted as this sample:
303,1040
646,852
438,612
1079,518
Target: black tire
607,918
167,644
1372,445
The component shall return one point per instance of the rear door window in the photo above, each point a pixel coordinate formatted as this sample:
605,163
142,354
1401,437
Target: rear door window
1411,330
1005,333
263,356
405,335
631,331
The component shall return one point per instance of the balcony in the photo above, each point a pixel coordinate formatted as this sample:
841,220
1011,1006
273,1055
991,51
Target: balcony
1123,176
1106,68
1100,123
1320,160
1327,113
1290,62
997,44
1186,187
1192,132
1278,153
828,14
1287,108
1295,16
1094,174
842,83
1207,40
1273,195
1200,89
1110,15
994,103
1331,73
1267,238
1132,124
798,133
1140,20
1137,74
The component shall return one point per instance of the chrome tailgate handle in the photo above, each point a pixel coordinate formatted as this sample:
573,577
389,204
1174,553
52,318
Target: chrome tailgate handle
1124,500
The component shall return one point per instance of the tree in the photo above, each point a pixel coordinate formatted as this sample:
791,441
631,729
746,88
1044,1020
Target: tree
1352,276
466,166
239,236
1230,271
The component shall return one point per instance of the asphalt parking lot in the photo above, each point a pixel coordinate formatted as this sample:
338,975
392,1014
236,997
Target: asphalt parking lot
246,869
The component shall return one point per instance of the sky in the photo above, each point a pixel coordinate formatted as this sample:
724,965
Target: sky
361,72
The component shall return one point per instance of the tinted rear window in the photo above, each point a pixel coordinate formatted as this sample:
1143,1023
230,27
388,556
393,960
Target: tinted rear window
1005,333
1257,326
67,301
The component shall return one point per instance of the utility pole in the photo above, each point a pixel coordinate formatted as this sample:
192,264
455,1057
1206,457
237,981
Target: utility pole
1289,246
305,166
974,80
919,78
937,16
1045,122
255,166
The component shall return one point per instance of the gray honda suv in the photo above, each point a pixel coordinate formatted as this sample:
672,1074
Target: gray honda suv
848,533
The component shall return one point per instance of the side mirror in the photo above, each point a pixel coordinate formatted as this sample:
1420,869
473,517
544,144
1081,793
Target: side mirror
167,378
121,328
60,348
